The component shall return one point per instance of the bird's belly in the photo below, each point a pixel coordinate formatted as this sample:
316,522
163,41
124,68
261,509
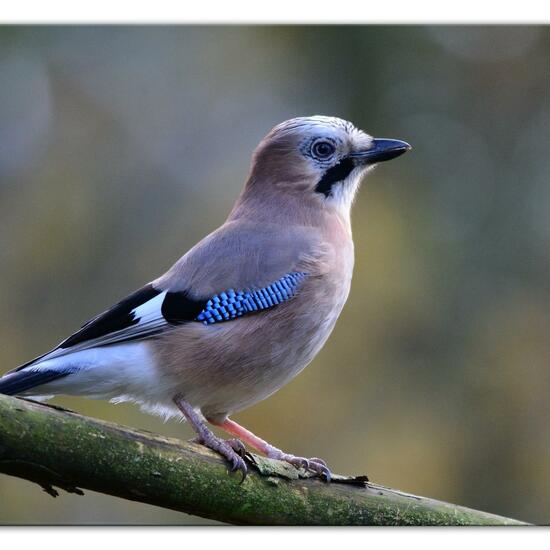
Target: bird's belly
247,374
227,367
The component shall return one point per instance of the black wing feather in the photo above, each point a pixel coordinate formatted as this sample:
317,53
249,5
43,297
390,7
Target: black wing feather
117,318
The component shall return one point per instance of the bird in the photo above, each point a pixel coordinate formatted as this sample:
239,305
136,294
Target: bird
244,310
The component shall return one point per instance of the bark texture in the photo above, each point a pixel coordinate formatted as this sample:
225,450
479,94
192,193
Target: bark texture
58,448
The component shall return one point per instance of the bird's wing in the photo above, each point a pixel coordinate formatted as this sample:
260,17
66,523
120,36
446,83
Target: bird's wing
135,317
243,255
196,295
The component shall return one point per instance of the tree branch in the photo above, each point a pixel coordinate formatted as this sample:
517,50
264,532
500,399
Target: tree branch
54,447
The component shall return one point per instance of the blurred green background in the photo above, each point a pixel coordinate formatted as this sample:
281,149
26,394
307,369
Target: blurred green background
120,147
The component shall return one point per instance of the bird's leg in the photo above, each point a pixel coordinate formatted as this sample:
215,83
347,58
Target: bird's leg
314,464
230,449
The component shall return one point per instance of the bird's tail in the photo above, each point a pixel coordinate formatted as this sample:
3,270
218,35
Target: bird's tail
27,376
20,381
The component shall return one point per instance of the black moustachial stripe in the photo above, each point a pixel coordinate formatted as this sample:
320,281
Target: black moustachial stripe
178,307
117,318
333,175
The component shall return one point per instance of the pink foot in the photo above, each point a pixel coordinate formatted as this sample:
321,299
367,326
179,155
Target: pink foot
316,465
231,449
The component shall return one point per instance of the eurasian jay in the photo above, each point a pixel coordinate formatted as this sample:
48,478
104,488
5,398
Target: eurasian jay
245,310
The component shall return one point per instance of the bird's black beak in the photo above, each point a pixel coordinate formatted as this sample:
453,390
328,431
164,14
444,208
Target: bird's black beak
382,149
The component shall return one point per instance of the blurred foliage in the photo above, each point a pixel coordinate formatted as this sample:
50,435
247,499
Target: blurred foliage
120,147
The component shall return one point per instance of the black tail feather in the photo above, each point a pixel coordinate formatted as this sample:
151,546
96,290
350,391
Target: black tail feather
18,382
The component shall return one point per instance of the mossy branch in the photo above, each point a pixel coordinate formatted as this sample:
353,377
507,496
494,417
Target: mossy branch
57,448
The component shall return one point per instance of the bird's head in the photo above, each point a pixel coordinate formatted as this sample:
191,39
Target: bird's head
320,158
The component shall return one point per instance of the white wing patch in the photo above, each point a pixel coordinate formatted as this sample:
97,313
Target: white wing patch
150,310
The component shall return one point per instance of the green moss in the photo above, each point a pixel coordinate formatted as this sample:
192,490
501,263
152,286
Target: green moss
63,449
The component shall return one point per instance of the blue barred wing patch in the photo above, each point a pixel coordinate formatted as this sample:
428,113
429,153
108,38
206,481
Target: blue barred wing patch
231,304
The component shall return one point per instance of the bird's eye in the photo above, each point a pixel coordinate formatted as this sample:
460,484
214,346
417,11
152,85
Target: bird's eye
322,149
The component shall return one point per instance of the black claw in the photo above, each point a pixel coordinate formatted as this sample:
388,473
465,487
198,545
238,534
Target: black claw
239,464
315,465
245,473
319,467
321,471
238,447
226,448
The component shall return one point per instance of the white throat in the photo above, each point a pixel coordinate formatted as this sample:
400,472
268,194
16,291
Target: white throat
343,194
